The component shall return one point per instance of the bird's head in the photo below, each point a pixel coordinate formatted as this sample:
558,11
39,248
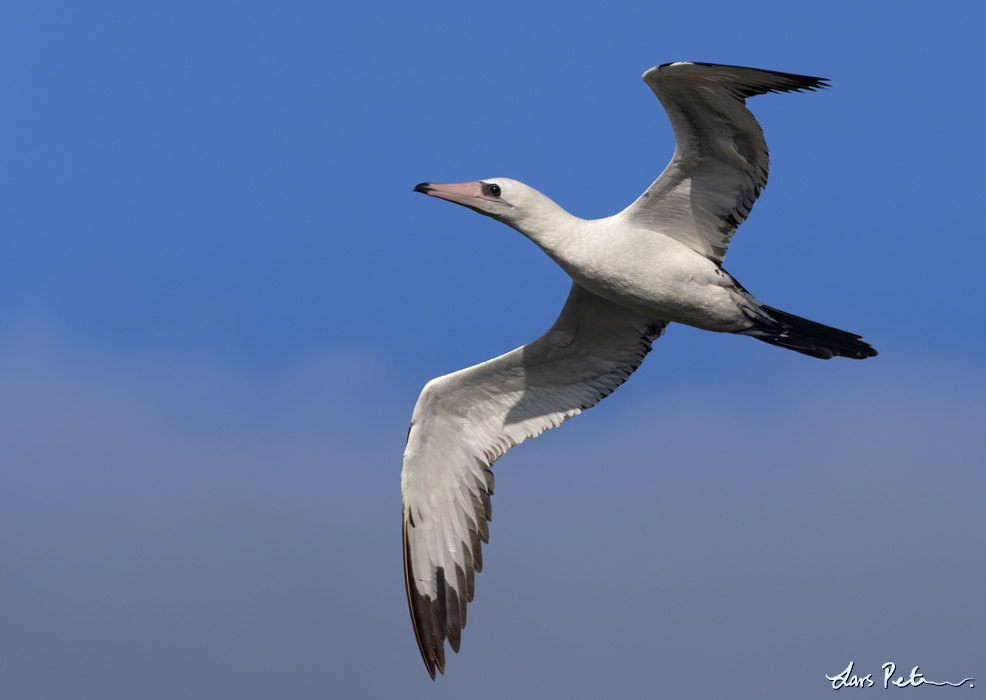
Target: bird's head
512,202
489,197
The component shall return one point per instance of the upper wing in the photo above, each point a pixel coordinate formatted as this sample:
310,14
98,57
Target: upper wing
720,158
465,421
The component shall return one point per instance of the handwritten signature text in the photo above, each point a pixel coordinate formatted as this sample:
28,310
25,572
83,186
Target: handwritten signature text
848,679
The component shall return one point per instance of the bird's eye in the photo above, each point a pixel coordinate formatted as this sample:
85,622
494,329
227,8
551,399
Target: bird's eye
493,190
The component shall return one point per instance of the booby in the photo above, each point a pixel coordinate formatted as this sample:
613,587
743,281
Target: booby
656,262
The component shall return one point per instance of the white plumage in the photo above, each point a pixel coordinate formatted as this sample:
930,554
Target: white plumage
656,262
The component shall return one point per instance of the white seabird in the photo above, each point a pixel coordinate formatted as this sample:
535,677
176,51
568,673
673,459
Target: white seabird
655,262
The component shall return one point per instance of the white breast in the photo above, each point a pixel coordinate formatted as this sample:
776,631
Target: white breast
649,272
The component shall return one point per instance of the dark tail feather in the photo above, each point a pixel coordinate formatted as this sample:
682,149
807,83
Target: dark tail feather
808,337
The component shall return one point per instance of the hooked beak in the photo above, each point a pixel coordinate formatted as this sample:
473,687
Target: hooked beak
468,194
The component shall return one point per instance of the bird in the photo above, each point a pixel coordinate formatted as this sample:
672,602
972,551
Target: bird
658,261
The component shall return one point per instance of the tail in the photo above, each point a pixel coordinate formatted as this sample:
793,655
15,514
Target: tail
807,337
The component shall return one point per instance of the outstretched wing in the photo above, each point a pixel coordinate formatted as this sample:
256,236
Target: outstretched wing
465,421
720,160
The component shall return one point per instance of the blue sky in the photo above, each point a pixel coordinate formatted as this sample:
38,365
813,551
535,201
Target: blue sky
220,299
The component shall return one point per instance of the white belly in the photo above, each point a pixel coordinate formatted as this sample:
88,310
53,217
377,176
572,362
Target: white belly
659,277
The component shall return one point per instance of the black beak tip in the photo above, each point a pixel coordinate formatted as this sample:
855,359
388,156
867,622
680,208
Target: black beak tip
423,188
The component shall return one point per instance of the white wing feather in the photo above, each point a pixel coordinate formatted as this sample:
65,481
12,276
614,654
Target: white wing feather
720,161
465,421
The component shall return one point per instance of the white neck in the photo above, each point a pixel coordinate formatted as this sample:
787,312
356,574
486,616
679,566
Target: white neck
552,228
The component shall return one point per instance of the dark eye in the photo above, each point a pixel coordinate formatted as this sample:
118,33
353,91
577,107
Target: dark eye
493,190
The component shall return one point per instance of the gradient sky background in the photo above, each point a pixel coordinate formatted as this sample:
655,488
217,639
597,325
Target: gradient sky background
219,299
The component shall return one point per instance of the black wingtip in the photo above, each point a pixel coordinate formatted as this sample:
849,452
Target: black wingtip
769,80
414,602
423,187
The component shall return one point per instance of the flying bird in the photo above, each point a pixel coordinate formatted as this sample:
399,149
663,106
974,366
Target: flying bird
656,262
